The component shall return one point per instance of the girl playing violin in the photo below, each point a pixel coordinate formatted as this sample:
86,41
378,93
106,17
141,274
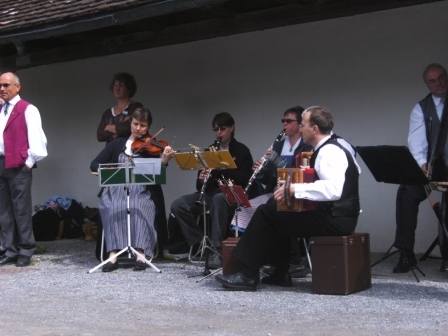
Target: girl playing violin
113,206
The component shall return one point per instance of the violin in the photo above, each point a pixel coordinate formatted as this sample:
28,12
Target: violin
149,144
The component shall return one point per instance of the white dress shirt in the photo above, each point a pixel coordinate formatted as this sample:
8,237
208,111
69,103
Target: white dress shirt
331,164
417,142
36,137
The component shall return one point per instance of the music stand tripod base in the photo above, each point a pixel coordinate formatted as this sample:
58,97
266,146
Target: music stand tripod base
206,245
126,249
389,254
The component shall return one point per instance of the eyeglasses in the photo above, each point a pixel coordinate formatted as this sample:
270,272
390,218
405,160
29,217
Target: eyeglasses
216,129
288,121
6,85
441,78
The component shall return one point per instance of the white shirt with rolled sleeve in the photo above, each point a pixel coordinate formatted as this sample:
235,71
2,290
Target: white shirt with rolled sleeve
36,137
331,164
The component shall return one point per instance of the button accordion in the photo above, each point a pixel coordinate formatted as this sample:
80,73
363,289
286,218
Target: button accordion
303,174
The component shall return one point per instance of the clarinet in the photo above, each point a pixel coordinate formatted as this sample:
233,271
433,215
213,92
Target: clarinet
263,161
216,145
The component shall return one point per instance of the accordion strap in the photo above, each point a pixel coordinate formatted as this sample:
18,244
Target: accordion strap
287,188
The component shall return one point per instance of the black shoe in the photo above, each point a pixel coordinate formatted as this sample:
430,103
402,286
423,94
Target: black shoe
238,281
23,261
110,266
139,266
2,253
268,269
278,278
299,271
5,260
405,263
214,260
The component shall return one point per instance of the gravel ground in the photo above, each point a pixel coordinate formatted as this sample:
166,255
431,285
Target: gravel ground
56,296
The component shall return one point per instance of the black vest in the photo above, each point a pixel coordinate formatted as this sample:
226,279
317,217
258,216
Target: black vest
348,204
336,137
432,126
432,122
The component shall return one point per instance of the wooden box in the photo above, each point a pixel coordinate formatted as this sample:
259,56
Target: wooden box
341,264
230,264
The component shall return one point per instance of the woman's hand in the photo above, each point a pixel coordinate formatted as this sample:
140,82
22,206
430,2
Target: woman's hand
167,154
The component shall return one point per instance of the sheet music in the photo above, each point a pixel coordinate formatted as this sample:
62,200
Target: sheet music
147,166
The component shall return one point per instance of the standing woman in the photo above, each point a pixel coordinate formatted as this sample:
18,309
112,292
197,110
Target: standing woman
115,121
113,202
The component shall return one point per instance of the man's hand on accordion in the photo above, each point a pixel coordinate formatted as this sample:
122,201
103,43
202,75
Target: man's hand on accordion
279,194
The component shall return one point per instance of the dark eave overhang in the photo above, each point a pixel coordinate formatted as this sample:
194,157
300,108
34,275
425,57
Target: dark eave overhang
168,22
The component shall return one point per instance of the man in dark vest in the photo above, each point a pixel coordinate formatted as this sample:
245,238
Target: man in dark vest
22,144
423,131
269,231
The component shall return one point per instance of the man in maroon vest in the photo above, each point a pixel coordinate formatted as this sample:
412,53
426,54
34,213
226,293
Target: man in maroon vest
22,144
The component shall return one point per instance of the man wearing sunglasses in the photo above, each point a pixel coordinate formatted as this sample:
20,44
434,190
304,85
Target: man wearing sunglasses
186,208
22,144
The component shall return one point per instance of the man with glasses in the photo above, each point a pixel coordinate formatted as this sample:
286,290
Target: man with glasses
186,208
269,230
423,132
23,144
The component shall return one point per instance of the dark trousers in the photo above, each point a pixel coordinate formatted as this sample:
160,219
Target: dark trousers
185,210
267,237
409,198
16,212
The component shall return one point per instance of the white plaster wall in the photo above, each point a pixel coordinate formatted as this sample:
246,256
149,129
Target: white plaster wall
366,69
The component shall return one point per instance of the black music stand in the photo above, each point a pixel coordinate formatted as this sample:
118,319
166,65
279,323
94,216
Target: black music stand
394,165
